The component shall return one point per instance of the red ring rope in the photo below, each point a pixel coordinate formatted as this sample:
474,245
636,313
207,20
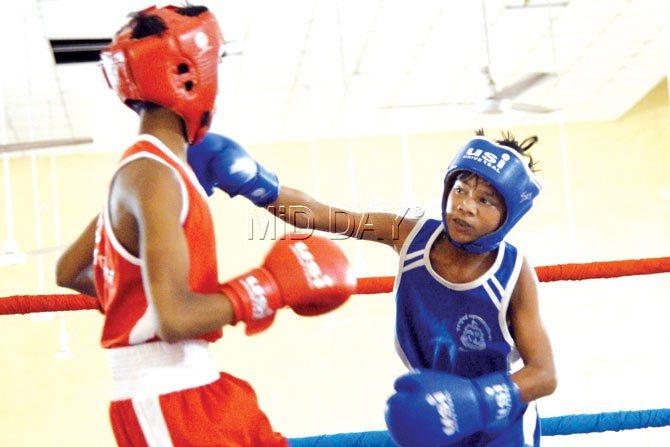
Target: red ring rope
25,304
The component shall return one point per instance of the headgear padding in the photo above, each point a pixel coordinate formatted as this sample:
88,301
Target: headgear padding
176,69
506,170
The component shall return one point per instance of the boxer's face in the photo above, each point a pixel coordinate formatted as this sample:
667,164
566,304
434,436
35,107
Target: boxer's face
474,209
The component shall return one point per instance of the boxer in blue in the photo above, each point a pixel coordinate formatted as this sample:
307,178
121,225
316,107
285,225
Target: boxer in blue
467,321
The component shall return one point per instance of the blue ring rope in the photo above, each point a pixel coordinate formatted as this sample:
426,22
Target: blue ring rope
553,426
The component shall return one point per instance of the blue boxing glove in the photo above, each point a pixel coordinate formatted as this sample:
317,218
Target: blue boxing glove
221,162
432,408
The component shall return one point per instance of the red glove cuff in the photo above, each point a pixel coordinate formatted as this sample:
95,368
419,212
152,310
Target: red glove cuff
254,297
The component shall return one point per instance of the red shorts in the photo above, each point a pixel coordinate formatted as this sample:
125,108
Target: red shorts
222,414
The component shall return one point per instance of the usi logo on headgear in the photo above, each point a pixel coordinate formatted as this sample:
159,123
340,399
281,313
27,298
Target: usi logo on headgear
488,158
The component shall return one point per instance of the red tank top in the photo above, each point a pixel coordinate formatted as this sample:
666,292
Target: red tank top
130,318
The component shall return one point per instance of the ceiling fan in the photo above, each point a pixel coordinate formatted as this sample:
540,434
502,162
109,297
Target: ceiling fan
503,100
11,254
497,100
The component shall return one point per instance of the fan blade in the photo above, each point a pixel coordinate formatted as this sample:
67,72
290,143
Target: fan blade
45,250
531,108
232,48
426,105
527,82
9,259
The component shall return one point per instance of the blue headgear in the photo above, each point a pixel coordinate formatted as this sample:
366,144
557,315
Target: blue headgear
506,170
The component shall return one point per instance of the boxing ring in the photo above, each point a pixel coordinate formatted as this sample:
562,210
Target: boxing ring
551,426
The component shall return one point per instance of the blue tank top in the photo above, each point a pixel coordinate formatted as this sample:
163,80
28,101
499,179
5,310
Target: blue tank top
460,328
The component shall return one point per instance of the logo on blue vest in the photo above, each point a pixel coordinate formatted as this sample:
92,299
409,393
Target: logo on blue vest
473,332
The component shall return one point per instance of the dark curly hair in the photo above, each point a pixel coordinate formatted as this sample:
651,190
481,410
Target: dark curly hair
509,140
145,25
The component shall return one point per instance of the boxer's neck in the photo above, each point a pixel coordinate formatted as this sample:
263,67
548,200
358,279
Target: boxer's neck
167,126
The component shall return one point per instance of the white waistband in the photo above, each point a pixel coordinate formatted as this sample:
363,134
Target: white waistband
152,369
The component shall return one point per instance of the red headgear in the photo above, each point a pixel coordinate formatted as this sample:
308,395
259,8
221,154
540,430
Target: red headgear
176,69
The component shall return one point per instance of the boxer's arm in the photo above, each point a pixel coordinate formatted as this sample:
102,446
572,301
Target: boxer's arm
74,268
151,193
303,211
538,376
219,161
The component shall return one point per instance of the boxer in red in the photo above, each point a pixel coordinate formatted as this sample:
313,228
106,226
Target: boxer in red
150,256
